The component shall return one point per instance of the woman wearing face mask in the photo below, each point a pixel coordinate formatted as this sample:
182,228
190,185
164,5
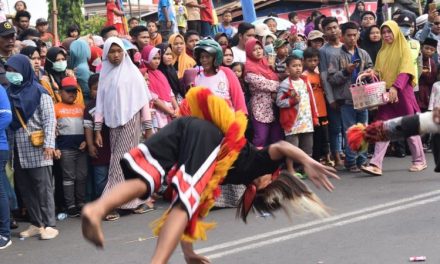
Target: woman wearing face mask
394,65
32,106
300,43
79,54
56,70
372,42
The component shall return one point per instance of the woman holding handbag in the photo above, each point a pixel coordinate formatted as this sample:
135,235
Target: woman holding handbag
394,66
33,127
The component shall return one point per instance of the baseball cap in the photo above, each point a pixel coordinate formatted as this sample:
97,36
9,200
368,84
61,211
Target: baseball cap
41,21
421,20
404,20
6,29
278,43
69,84
261,29
315,34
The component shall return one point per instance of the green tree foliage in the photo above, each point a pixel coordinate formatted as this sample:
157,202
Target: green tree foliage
93,25
69,13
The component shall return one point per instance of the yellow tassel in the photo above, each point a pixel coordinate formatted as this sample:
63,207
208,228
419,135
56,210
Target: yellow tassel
200,232
157,224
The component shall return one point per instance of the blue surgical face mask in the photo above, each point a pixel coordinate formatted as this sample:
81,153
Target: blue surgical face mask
59,66
269,49
14,77
405,31
300,45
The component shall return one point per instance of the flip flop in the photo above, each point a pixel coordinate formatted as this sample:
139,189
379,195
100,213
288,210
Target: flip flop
372,170
113,216
417,168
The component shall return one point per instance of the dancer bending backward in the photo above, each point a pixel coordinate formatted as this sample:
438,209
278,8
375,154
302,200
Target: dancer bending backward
195,154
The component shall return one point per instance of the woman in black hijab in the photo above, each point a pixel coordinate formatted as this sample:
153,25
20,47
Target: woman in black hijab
167,68
372,42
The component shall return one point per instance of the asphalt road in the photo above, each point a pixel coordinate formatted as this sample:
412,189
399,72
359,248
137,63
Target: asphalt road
382,220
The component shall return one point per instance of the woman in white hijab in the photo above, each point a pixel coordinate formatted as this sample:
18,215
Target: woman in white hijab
122,104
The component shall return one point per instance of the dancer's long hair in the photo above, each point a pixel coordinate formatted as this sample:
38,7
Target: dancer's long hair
288,193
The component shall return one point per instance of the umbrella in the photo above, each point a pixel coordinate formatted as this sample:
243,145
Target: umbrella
282,24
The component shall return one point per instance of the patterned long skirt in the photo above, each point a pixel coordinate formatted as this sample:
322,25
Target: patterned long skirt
122,140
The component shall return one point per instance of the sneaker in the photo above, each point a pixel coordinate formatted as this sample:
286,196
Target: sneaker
31,231
49,233
5,242
72,212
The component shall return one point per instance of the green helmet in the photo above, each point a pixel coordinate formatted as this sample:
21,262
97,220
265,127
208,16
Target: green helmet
212,47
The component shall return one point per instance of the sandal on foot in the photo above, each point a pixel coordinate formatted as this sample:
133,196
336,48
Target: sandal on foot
353,169
339,167
418,167
113,216
143,208
372,170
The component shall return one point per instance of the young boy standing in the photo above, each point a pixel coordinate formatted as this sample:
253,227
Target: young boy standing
71,142
297,106
100,156
321,144
429,73
281,47
225,26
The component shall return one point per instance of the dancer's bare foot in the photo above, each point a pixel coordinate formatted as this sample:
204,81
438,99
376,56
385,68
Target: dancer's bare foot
91,224
190,255
196,259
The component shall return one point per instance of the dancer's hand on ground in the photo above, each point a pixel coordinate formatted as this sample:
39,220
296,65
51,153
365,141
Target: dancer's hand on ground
319,174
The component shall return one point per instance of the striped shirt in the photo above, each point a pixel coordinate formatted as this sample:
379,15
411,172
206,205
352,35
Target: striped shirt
70,125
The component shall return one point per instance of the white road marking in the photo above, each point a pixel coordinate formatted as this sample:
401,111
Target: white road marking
324,224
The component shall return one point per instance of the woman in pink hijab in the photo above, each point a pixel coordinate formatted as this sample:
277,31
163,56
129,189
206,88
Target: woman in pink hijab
163,100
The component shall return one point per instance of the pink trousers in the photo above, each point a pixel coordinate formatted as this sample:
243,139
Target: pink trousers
415,146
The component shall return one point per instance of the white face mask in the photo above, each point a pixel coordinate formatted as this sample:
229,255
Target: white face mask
405,31
59,66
